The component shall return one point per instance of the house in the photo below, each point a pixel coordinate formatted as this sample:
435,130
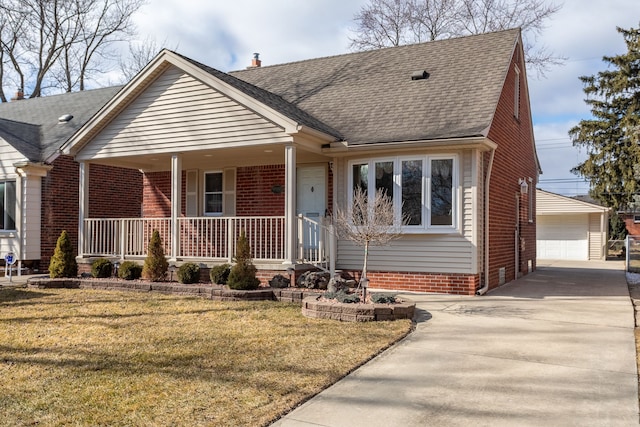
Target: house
570,229
38,185
444,127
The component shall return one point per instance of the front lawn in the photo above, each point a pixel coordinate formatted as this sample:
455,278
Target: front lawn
86,357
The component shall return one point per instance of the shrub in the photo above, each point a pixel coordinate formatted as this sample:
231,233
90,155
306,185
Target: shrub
189,273
63,262
342,296
243,273
130,270
219,274
155,264
383,298
101,268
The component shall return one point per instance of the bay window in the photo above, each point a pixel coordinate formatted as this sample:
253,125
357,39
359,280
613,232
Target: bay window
423,188
7,205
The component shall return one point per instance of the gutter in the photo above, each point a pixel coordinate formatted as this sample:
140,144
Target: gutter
485,288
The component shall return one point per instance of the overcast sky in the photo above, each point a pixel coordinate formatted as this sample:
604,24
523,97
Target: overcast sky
224,35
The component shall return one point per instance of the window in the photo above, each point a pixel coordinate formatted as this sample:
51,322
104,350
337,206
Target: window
636,219
516,93
7,205
213,193
423,188
530,196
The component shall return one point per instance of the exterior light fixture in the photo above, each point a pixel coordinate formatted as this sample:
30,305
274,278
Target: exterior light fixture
524,187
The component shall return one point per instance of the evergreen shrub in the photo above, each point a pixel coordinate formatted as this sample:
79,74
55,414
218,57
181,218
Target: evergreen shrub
63,262
130,270
189,273
101,268
155,264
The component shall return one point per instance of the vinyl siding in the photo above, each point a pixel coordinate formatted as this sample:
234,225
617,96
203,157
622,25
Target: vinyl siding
553,204
9,241
179,113
429,252
30,233
596,237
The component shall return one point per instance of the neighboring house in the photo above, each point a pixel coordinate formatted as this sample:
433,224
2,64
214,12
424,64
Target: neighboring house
38,186
444,127
631,218
570,229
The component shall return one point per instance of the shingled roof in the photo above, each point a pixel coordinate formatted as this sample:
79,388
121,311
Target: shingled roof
31,125
370,97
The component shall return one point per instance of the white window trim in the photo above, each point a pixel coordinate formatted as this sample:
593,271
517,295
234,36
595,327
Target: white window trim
6,231
425,227
516,94
204,193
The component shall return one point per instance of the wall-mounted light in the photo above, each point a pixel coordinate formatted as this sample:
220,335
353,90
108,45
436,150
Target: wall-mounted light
524,187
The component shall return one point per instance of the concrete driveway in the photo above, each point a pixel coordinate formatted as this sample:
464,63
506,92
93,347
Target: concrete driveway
555,348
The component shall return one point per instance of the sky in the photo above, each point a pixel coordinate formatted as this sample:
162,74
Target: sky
225,35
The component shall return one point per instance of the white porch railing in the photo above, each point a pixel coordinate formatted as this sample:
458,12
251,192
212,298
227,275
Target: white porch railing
316,243
211,238
202,237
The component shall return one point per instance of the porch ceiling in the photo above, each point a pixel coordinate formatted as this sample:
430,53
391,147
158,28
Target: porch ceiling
214,158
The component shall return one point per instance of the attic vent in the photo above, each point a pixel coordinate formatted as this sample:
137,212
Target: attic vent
419,75
65,118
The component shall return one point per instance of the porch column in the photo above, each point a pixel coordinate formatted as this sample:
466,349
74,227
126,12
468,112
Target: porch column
176,198
83,204
290,204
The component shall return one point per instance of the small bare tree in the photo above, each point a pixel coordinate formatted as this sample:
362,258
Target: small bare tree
368,222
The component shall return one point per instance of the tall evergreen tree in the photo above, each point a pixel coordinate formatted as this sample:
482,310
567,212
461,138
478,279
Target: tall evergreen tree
612,136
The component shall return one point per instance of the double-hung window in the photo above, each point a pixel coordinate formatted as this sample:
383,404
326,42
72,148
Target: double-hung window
423,188
213,192
7,205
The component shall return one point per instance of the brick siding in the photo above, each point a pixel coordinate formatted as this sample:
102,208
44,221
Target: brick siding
114,193
514,159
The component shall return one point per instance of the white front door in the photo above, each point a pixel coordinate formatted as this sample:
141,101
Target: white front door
312,199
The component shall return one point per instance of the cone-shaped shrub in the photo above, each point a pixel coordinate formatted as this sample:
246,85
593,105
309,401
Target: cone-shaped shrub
243,273
155,264
63,262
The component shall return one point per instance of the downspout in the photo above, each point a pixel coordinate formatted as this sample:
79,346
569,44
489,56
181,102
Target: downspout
485,288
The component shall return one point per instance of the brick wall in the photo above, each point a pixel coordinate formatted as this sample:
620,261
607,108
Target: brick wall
113,193
253,191
459,284
514,159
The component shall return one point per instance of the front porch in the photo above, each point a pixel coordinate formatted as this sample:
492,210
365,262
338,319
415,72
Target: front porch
212,240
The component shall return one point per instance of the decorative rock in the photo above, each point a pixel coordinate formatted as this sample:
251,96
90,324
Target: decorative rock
314,280
279,281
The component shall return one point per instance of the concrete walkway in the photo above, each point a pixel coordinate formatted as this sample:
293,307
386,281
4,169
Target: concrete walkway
554,348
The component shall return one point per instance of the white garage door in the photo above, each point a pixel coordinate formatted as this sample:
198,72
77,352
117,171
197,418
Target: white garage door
563,237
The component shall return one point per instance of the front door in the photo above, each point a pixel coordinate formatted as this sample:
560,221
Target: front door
311,197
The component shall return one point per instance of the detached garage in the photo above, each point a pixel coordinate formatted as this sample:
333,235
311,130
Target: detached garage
570,229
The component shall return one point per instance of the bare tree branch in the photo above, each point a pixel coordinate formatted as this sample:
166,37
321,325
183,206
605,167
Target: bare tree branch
369,222
384,23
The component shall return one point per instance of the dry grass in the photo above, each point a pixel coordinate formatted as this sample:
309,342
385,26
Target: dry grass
74,357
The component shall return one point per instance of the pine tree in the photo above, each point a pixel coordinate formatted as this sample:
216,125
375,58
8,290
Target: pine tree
63,262
155,264
243,273
612,136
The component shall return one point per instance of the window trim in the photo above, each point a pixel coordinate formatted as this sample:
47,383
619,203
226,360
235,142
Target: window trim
205,193
6,203
425,227
516,93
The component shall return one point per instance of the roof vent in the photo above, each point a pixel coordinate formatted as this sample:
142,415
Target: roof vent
65,118
419,75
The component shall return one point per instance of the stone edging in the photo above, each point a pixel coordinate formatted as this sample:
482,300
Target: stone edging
213,292
312,307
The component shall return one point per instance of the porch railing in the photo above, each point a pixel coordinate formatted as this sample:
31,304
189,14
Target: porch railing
316,242
202,237
210,238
